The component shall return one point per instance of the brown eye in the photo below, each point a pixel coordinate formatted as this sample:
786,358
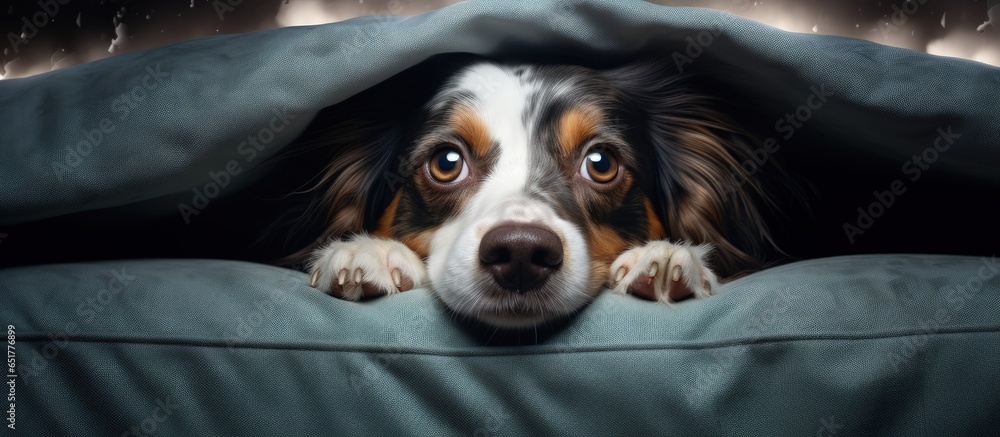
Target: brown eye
600,166
447,165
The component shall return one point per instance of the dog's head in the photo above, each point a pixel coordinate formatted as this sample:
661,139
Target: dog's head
520,184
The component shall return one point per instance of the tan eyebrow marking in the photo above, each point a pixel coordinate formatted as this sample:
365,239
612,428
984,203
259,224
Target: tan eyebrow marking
576,126
467,123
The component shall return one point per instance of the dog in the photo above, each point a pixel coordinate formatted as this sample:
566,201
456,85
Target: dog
518,191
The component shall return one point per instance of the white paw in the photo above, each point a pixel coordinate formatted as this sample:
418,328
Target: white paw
664,272
365,267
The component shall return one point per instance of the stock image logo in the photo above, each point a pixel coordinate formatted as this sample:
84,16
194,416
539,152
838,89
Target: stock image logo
254,145
886,198
122,105
47,11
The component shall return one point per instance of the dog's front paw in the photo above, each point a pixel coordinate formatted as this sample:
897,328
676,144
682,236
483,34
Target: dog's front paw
365,267
664,272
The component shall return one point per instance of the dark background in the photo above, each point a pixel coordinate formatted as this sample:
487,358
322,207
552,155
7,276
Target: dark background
82,31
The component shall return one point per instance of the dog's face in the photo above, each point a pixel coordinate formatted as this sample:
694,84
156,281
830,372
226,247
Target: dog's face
524,187
520,186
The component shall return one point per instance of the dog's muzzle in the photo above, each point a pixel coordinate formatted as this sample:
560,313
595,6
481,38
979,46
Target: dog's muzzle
520,257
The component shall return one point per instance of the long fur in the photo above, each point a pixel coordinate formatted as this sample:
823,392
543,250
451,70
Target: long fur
361,139
697,191
698,151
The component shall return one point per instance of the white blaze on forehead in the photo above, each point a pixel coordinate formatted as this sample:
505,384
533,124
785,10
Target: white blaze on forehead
501,99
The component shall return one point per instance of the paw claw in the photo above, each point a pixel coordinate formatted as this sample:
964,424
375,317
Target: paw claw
366,267
619,275
659,271
314,279
397,278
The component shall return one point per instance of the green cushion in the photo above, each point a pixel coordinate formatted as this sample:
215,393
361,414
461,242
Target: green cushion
893,344
897,344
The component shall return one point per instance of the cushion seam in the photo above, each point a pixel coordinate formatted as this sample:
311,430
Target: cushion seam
501,350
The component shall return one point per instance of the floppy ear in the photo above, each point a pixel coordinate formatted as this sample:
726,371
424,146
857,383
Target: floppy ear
703,194
354,185
363,140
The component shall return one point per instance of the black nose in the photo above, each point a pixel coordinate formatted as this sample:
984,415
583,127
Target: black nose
520,257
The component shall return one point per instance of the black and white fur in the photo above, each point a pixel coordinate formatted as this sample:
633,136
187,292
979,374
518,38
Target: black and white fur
679,213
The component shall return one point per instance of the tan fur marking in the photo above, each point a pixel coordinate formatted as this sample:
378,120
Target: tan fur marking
384,227
576,126
604,246
654,224
471,128
419,243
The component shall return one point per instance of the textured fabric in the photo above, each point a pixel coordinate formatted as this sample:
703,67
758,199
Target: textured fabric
900,344
188,107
